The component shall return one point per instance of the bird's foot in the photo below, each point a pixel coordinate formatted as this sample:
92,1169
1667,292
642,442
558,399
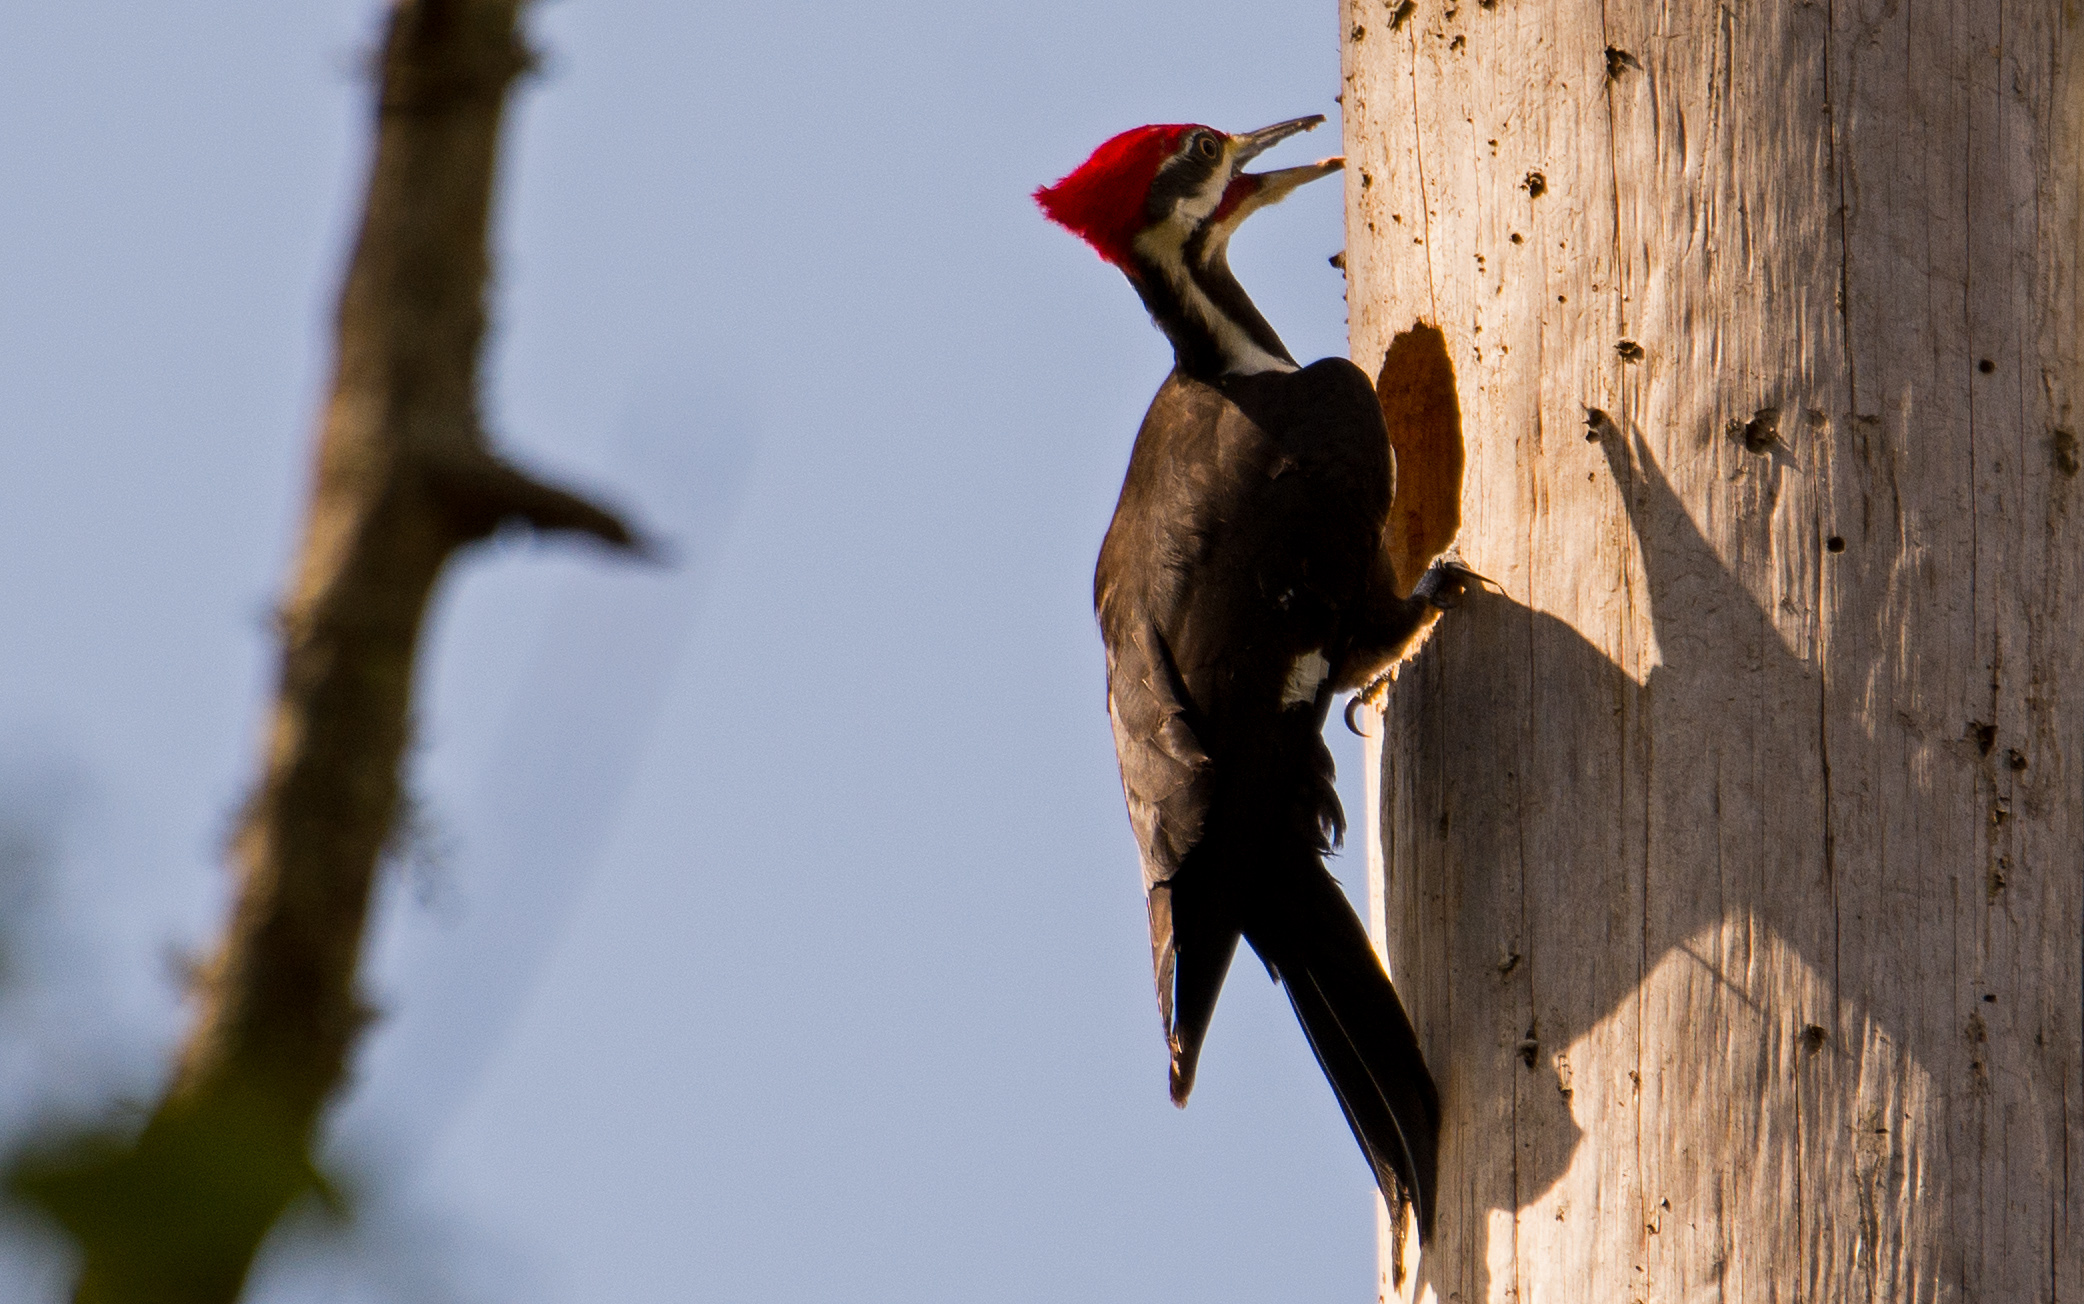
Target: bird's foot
1448,582
1442,588
1374,694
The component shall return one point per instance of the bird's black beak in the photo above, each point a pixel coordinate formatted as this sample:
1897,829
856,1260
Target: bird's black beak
1252,191
1251,144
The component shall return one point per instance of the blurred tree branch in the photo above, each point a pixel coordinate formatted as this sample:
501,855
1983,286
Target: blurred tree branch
405,478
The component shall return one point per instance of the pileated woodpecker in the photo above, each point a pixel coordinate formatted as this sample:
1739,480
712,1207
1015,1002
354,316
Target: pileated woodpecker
1242,584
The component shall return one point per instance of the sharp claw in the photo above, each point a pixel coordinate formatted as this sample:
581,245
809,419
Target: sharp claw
1351,703
1465,573
1367,696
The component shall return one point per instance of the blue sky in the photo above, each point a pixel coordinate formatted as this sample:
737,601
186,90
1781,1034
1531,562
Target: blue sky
773,927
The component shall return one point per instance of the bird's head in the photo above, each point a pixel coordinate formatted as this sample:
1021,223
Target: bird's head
1161,203
1151,190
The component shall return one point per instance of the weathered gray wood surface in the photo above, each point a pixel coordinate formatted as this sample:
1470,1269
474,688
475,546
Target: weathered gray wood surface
1732,858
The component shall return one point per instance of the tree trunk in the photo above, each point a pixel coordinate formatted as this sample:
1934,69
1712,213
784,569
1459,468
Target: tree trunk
1730,851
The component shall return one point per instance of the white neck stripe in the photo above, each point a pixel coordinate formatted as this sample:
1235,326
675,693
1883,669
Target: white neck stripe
1164,246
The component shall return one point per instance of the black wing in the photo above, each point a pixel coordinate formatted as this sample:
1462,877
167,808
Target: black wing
1249,521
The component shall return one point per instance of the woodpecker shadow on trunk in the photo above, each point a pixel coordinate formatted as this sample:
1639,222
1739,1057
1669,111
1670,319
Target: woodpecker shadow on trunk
1545,815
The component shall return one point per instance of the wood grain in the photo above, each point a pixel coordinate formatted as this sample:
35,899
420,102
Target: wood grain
1732,858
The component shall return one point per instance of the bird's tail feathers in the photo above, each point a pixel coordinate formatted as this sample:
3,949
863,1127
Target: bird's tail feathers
1361,1035
1198,944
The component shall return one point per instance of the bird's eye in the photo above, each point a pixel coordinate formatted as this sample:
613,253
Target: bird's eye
1207,148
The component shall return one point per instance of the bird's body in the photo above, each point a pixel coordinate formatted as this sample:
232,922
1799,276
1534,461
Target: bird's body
1242,584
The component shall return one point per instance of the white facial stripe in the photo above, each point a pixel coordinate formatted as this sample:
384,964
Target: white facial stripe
1165,246
1192,210
1304,678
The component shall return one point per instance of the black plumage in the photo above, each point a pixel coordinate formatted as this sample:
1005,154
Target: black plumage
1246,540
1243,583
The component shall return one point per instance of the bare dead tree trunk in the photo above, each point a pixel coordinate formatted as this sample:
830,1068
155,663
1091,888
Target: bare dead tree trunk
1732,858
405,477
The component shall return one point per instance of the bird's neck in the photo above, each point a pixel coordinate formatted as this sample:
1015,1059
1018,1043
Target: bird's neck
1214,327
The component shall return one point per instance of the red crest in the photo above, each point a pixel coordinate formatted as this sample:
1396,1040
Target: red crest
1102,201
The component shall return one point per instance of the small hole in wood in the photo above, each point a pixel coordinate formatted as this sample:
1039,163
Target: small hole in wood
2064,444
1762,431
